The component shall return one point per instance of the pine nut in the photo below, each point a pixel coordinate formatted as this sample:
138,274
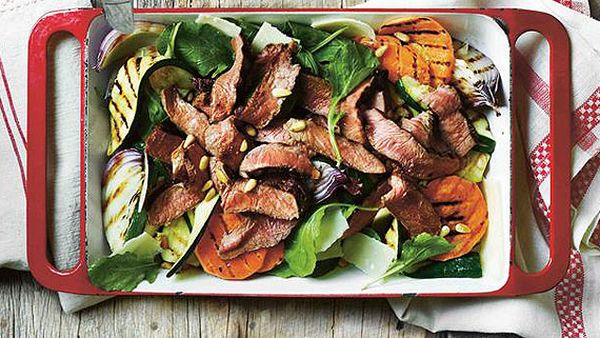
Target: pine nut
251,131
207,185
402,37
210,195
251,184
222,176
381,50
298,125
462,228
188,141
281,92
203,163
444,231
244,146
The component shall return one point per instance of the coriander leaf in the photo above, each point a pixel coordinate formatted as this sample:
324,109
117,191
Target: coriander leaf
327,39
309,37
205,48
415,251
301,253
123,272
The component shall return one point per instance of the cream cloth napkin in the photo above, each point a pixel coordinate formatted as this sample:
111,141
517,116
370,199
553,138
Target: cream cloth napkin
572,309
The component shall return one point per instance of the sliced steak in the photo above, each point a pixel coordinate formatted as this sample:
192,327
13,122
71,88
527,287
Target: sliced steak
316,138
445,103
390,140
174,202
360,219
160,144
224,141
266,101
315,95
351,125
411,207
225,89
187,118
220,175
424,128
252,233
378,102
186,162
275,133
262,199
180,197
278,157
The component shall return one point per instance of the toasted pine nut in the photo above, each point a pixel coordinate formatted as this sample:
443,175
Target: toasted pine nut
251,184
462,228
281,92
222,176
402,37
244,146
207,185
381,50
203,163
188,141
298,125
251,131
210,194
444,231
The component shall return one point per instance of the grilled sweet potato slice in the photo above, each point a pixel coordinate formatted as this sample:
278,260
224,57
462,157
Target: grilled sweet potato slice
458,201
240,267
273,258
430,40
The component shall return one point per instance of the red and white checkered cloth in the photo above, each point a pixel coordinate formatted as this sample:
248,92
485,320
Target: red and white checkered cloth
572,308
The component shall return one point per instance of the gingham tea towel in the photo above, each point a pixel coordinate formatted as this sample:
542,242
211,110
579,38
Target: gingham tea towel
572,308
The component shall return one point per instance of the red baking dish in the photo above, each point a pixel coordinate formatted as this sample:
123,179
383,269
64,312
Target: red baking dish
494,31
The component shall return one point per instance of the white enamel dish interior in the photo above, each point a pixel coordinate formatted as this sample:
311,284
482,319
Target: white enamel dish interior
480,31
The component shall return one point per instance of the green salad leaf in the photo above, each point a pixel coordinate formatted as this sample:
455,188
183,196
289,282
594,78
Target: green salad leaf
123,272
341,61
138,223
313,235
203,47
415,251
128,266
166,39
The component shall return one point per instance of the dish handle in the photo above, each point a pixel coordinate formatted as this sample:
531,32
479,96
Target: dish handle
520,282
75,280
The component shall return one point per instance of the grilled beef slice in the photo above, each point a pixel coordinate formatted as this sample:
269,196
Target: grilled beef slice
360,218
224,141
160,144
275,133
390,140
251,233
445,103
353,154
185,116
424,128
266,101
225,89
411,207
262,199
278,157
315,94
180,197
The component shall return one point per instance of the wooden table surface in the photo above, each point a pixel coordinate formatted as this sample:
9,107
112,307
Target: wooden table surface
27,310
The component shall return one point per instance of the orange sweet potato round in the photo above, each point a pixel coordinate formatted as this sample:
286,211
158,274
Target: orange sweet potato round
457,201
273,258
240,267
430,40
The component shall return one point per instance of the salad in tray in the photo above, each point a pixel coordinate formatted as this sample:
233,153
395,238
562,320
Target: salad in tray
245,148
